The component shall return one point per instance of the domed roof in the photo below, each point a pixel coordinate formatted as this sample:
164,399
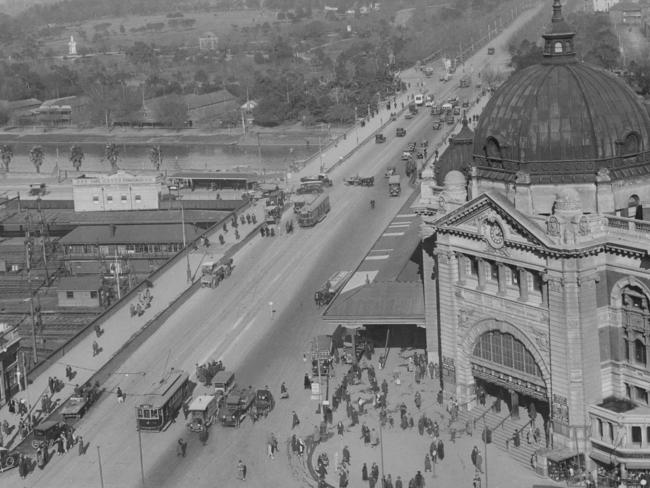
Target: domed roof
560,111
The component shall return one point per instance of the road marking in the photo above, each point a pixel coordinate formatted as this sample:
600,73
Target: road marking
406,215
392,234
376,258
381,250
400,225
236,324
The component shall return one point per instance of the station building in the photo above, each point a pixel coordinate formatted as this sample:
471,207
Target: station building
118,191
535,256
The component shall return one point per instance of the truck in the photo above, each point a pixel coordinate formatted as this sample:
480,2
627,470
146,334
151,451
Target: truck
394,186
203,411
322,177
213,272
325,294
465,81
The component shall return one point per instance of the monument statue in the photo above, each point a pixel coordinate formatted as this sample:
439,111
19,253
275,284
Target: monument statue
72,47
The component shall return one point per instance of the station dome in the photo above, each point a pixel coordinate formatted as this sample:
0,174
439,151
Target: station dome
562,120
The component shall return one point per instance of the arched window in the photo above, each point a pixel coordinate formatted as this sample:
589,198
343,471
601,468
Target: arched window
558,48
631,144
492,150
506,350
634,207
640,352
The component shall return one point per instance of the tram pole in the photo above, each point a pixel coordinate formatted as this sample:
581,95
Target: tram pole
141,463
101,476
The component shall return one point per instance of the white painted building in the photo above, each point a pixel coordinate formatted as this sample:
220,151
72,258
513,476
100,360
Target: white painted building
119,191
603,5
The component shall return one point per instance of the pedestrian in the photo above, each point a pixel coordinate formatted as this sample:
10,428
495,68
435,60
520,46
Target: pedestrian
241,468
398,482
295,421
50,384
427,463
186,410
346,455
389,482
340,428
22,466
181,449
307,382
472,456
120,395
419,480
95,348
364,472
80,443
479,462
203,435
59,446
374,471
12,406
441,450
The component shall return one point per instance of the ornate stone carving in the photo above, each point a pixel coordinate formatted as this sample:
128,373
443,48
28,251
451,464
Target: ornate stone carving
464,317
541,339
555,284
553,226
588,279
583,226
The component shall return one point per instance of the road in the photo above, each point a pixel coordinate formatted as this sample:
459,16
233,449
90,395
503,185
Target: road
259,322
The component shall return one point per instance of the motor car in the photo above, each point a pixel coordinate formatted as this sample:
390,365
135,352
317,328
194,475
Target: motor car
400,132
437,125
490,50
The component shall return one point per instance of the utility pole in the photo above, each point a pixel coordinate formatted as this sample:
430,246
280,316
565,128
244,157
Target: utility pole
187,253
101,475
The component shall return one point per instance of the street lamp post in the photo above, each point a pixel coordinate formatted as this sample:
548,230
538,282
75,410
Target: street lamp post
381,449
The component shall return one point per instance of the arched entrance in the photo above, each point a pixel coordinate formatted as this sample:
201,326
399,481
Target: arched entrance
508,366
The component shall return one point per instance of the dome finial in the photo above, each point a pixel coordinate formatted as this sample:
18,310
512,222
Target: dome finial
557,11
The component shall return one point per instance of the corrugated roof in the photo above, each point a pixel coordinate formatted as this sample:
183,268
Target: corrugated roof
118,217
215,175
382,300
130,234
79,283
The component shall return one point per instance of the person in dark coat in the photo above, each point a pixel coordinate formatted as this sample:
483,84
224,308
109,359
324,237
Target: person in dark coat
427,463
22,466
419,480
346,455
364,472
294,421
472,456
441,450
374,471
307,382
59,446
181,449
80,443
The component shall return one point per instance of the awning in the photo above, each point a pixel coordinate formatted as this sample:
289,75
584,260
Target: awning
559,455
602,457
636,463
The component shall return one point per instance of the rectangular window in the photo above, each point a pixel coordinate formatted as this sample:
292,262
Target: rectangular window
518,356
535,282
514,277
123,198
138,198
611,431
600,428
93,294
493,271
109,198
507,350
472,263
95,199
636,434
69,294
641,394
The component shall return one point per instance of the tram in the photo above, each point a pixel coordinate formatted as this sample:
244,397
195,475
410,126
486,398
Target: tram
314,212
161,405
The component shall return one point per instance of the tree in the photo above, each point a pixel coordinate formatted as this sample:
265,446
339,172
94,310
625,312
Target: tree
172,111
76,156
141,53
36,156
112,154
155,154
6,154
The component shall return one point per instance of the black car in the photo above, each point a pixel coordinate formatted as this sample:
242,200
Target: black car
437,125
400,132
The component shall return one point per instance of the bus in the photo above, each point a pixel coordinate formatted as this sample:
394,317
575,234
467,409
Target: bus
312,213
161,405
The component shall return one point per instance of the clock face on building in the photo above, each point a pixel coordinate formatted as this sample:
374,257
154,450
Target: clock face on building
494,234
